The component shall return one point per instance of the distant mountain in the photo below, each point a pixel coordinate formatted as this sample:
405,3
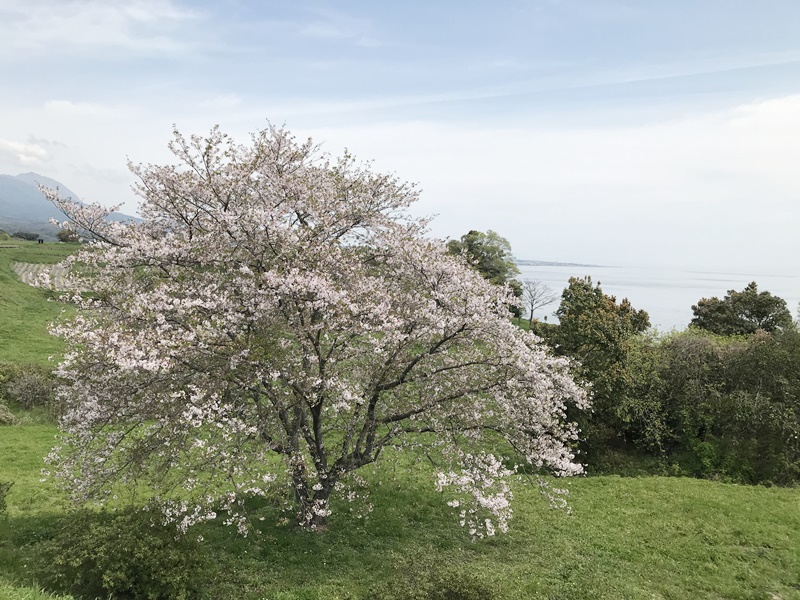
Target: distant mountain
24,208
35,179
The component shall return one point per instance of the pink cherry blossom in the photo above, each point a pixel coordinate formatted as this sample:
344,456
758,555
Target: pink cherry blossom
278,322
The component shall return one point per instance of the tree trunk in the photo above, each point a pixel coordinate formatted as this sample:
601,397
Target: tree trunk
312,509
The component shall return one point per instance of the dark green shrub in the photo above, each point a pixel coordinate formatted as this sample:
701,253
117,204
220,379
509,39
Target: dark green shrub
122,555
723,407
68,236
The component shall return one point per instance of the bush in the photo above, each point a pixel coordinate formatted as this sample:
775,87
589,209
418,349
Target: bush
6,417
122,555
27,386
725,407
68,236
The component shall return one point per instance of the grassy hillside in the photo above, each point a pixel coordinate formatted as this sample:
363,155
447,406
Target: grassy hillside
625,538
648,537
25,312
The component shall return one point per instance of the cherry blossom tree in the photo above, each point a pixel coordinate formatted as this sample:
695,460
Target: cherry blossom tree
278,319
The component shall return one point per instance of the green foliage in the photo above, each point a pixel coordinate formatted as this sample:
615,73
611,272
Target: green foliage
9,591
6,416
721,407
28,386
422,577
67,236
29,391
490,254
122,555
26,235
740,313
595,330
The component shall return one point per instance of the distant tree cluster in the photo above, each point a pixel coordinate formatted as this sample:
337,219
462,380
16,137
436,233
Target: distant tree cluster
26,235
721,399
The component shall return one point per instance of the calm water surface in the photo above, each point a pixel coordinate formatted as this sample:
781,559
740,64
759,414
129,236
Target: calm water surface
666,294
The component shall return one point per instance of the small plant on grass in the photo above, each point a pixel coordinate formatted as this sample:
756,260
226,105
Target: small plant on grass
6,416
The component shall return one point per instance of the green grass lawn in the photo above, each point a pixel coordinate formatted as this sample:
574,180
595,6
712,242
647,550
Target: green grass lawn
650,537
635,537
25,312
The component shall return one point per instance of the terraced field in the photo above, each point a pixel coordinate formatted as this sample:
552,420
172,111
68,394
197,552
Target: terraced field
31,273
26,311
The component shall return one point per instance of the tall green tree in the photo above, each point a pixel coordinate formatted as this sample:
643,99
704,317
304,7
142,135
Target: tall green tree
596,331
490,254
741,313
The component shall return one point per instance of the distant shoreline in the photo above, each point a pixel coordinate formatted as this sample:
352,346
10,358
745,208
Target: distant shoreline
550,263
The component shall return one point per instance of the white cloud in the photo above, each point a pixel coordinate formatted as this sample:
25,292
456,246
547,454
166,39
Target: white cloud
339,27
83,109
25,154
221,102
57,26
720,186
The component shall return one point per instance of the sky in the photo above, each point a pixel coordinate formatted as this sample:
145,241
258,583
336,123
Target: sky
611,132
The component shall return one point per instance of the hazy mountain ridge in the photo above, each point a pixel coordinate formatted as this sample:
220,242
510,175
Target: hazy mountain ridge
24,208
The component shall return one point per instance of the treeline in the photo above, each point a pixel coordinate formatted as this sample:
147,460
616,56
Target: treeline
720,400
703,403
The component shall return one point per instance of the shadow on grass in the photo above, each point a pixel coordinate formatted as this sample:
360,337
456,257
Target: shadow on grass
410,519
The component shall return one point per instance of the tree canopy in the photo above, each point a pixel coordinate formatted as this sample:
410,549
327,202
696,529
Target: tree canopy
740,313
595,330
490,254
277,322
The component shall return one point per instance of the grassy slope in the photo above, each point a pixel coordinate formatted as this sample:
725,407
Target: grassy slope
24,310
646,537
626,538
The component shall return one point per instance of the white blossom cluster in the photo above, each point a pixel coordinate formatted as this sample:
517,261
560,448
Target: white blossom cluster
277,320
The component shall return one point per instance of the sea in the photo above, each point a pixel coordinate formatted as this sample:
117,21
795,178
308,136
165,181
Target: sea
667,294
